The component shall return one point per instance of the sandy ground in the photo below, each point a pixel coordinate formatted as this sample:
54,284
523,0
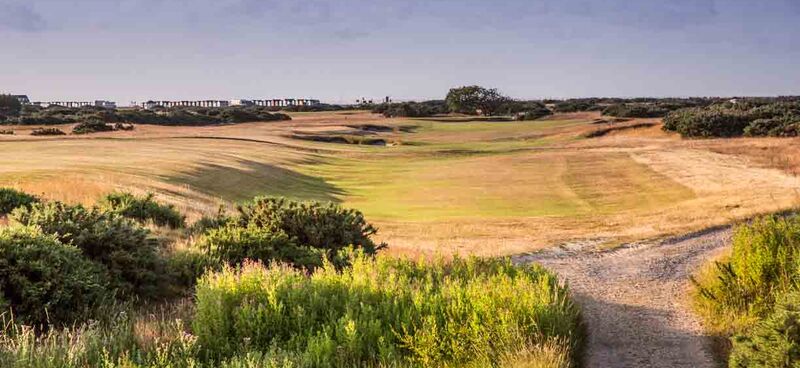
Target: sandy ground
635,299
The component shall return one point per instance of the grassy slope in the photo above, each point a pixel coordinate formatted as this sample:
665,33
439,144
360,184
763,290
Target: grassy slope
482,187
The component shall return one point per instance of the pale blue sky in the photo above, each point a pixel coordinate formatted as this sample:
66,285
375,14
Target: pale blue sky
338,50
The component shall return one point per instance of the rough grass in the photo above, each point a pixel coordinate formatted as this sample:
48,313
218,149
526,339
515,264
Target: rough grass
390,312
740,289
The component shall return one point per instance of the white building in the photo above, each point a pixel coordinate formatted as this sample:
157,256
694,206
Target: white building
64,103
105,104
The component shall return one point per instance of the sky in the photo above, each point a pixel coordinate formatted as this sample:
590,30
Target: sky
340,50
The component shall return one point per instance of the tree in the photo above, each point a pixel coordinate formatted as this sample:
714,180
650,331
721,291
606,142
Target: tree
9,105
472,99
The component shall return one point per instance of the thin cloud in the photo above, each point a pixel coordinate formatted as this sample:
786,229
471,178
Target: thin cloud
20,17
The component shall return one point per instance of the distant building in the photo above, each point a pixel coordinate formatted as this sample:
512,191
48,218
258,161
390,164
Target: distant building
23,99
105,104
242,103
237,102
168,104
64,103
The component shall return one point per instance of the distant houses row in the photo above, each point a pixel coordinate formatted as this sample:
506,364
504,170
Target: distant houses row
283,102
23,99
286,102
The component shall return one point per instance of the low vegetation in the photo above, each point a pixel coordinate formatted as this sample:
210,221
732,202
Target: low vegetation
752,294
11,199
626,110
47,131
749,118
96,126
412,109
91,119
46,281
283,283
303,234
144,209
388,313
122,247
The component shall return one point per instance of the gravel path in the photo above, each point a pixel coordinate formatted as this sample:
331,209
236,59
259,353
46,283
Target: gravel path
635,301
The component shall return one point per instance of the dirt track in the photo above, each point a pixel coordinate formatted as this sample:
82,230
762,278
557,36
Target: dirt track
635,301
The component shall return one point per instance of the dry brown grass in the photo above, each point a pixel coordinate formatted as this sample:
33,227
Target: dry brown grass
778,153
462,187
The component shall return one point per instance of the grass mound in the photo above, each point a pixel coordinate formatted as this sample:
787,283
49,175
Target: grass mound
387,312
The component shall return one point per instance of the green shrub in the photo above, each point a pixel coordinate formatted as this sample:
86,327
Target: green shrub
323,226
532,115
412,109
92,126
763,265
207,222
234,244
636,110
757,118
12,198
122,246
44,281
707,122
144,209
47,131
185,267
386,312
772,343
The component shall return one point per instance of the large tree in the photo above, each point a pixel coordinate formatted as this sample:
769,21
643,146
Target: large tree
9,105
475,99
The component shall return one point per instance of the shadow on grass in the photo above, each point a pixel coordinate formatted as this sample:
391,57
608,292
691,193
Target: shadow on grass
244,179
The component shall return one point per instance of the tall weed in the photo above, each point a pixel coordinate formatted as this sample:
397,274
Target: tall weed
385,312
